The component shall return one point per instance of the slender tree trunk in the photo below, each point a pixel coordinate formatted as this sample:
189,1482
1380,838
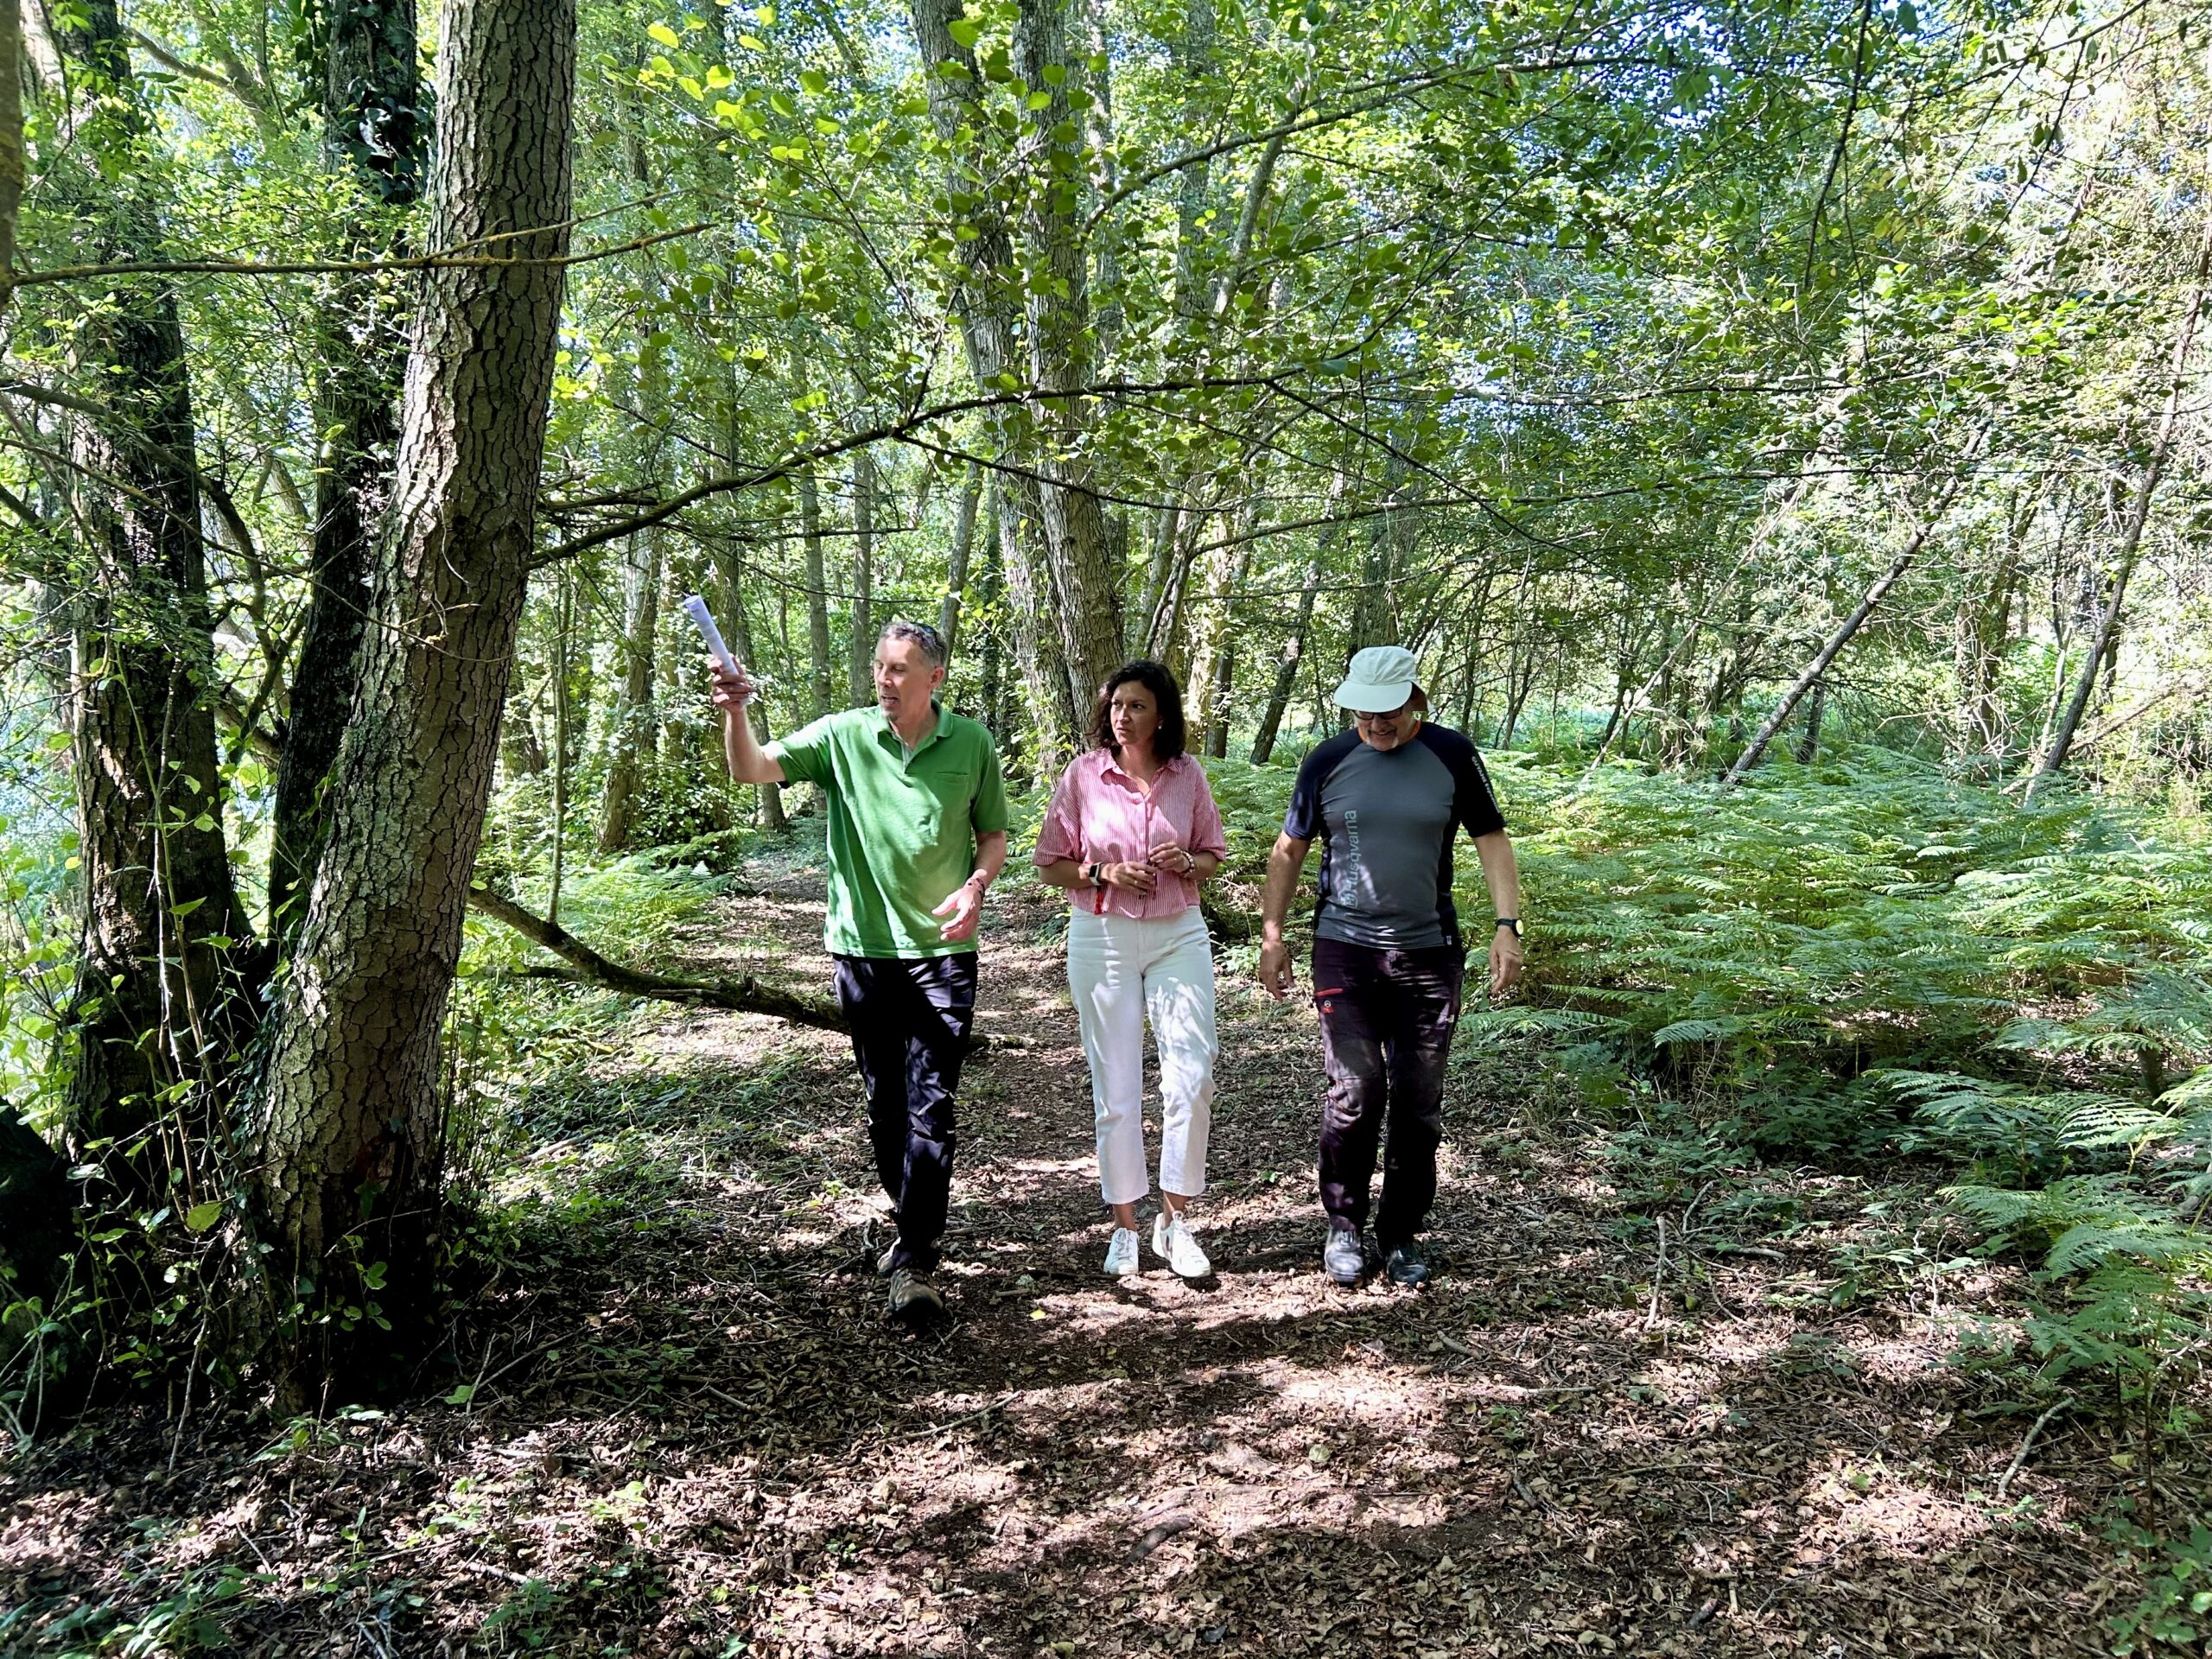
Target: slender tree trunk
859,679
374,135
1294,652
817,593
636,733
769,797
348,1124
1754,751
992,594
2138,515
564,743
157,1001
963,543
1809,744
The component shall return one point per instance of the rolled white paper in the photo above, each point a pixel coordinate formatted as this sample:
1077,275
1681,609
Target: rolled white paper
695,608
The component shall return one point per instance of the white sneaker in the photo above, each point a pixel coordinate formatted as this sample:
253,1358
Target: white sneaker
1172,1240
1121,1253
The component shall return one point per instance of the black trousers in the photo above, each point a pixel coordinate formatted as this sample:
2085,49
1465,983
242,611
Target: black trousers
910,1019
1387,1018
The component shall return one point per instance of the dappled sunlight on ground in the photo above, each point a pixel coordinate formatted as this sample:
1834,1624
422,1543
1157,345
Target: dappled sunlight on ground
676,1421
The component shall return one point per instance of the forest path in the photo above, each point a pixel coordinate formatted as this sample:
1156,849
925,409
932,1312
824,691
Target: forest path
691,1431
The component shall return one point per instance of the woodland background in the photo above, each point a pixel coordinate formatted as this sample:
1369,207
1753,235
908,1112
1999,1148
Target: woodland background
1778,428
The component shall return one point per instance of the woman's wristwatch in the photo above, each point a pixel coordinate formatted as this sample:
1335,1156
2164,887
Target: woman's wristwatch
1091,874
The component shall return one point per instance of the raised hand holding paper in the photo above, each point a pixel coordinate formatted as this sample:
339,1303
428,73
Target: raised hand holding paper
695,608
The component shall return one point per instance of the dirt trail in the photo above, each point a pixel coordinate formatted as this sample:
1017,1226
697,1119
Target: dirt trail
690,1432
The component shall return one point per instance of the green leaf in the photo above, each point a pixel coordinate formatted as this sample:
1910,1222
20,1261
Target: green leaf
201,1216
462,1395
966,30
663,33
1908,19
814,80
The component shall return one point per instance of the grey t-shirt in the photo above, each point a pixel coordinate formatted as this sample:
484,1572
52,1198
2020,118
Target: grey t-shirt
1385,820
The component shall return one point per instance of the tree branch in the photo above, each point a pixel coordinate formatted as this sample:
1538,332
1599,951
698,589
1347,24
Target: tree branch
747,995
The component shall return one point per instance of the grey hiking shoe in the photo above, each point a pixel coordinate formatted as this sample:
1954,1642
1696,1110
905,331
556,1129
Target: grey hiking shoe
914,1300
1405,1265
1343,1258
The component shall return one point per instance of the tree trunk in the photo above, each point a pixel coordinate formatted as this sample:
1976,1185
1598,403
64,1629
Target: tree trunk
1084,584
1851,624
12,172
986,303
860,680
817,593
636,733
1293,650
157,1001
992,593
1808,747
955,571
348,1124
374,133
2138,515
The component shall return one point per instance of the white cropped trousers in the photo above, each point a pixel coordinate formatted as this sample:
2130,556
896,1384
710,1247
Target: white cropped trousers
1120,970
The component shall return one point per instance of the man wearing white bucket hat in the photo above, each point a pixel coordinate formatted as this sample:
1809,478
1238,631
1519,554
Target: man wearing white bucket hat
1385,799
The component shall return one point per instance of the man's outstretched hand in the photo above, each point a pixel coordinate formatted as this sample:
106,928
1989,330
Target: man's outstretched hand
731,690
962,911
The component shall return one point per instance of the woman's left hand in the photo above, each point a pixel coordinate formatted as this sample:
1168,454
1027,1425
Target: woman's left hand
1174,860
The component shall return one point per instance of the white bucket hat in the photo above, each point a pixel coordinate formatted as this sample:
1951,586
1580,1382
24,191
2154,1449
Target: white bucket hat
1380,680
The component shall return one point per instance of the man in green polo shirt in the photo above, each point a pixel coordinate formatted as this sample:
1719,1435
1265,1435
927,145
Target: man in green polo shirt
918,824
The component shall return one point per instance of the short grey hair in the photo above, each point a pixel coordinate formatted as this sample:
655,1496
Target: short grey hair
923,637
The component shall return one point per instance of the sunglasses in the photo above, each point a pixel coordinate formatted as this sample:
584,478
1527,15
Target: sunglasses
1362,718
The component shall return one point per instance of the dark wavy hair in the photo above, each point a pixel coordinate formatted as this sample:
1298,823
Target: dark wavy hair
1167,742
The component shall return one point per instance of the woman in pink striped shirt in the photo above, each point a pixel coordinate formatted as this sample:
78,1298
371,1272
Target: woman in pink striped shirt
1131,832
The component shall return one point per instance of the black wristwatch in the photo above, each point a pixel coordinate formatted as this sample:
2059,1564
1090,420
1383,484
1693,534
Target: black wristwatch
1092,873
1513,922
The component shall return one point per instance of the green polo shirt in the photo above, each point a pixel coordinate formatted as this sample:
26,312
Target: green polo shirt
902,829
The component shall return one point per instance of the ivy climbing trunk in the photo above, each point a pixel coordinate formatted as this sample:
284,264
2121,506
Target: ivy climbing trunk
374,132
348,1122
157,1009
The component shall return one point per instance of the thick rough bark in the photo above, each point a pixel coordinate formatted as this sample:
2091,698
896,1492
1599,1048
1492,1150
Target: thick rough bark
157,1001
374,133
348,1120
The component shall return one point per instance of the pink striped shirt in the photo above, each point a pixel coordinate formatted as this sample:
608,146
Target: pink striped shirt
1100,814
